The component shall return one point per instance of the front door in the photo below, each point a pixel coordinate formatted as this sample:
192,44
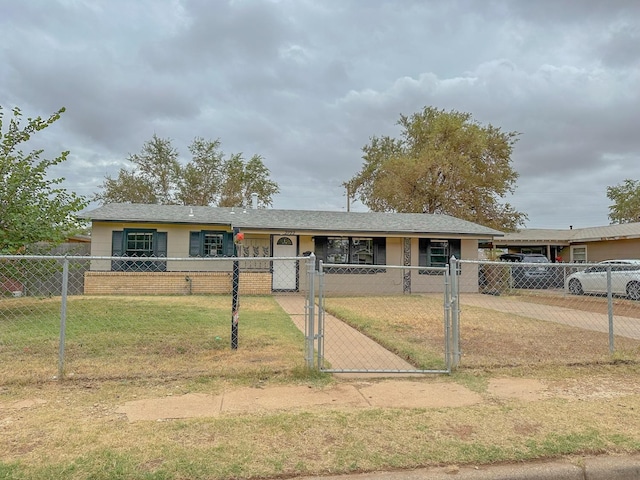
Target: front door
285,272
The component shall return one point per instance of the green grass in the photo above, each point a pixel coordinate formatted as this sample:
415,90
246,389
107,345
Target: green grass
145,336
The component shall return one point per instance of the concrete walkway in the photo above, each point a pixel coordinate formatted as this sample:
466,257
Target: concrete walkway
345,348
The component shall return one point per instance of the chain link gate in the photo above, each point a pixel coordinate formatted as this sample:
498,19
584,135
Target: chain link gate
355,322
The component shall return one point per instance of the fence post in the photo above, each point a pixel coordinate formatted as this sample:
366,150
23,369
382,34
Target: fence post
310,310
455,311
447,320
63,317
610,309
320,315
235,288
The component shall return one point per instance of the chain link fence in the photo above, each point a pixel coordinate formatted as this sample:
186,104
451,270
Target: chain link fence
384,319
514,314
115,317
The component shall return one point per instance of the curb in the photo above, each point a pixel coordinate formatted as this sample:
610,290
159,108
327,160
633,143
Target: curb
582,468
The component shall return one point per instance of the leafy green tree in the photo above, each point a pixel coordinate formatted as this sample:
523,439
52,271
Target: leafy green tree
128,187
231,189
445,163
159,166
33,207
244,179
201,179
626,202
207,179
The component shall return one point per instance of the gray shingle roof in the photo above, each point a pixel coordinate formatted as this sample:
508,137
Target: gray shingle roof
590,234
297,220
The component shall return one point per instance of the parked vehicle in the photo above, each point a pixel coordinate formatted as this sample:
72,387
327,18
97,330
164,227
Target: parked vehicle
625,279
535,272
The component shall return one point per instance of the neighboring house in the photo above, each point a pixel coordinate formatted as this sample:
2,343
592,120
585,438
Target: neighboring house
174,231
46,279
577,245
75,245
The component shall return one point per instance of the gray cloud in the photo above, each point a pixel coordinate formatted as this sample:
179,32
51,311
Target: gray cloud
307,83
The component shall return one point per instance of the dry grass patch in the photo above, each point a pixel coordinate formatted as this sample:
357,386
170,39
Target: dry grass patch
585,303
412,327
492,339
72,429
76,433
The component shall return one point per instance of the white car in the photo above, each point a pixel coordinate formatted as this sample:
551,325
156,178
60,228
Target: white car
625,279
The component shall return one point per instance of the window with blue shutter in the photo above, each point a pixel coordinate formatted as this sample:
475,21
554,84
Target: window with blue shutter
139,243
436,253
210,243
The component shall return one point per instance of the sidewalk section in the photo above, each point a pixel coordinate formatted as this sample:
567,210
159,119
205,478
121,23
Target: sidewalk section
577,468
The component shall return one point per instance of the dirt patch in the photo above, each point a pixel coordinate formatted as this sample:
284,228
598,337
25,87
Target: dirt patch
527,389
23,404
594,388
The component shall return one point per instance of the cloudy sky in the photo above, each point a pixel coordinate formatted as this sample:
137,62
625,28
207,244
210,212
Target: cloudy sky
306,83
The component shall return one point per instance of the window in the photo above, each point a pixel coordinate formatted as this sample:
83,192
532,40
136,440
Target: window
211,244
362,251
139,243
337,250
579,254
436,253
351,250
285,241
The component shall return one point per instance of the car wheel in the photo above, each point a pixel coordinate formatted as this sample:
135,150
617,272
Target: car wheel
633,290
575,287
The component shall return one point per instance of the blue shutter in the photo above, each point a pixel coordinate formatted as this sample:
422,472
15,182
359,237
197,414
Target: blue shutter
161,244
320,249
194,244
160,250
116,249
227,245
116,243
454,248
380,251
423,246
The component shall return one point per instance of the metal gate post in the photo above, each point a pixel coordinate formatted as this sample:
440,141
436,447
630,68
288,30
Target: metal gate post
455,312
447,320
320,274
310,311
